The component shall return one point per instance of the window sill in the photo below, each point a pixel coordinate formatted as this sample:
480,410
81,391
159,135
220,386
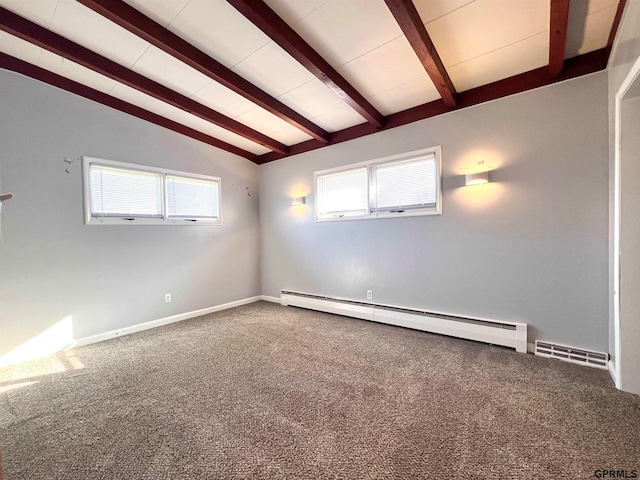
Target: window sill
377,216
151,221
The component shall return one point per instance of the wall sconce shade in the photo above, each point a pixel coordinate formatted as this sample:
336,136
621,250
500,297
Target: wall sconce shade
299,201
476,178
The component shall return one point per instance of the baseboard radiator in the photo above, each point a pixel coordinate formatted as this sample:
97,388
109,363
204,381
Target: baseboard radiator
495,332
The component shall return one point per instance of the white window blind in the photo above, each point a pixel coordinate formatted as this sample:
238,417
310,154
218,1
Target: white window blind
342,194
192,197
407,184
404,184
118,192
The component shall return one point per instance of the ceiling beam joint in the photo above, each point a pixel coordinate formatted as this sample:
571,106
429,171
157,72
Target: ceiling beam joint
411,24
259,13
559,19
137,23
37,35
616,24
24,68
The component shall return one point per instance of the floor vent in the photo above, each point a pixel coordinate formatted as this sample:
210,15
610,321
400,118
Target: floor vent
572,354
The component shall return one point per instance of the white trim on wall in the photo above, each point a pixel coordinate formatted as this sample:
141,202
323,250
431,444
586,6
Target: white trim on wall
268,298
612,372
632,76
159,323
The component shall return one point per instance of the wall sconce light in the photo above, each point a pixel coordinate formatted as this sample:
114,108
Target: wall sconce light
476,178
299,201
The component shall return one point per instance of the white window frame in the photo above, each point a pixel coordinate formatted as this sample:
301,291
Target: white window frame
346,214
369,215
89,219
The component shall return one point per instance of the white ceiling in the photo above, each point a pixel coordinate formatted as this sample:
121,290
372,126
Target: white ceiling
479,42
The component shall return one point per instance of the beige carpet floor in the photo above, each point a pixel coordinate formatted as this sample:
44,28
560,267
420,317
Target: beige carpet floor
264,391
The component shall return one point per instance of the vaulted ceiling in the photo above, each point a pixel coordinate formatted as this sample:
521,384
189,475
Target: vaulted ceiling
268,79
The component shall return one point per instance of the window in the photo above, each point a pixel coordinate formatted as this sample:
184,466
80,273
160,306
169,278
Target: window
343,193
404,184
407,184
119,193
192,197
116,192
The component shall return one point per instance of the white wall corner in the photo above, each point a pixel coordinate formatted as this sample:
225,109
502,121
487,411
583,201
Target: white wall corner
268,298
612,372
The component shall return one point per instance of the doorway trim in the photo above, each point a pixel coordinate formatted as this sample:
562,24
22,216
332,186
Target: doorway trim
630,79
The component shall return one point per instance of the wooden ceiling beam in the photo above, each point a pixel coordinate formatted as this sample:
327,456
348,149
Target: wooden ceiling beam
24,68
411,24
559,19
616,24
33,33
259,13
137,23
574,67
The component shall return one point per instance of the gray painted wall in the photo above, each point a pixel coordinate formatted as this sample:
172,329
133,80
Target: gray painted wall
108,277
625,51
530,246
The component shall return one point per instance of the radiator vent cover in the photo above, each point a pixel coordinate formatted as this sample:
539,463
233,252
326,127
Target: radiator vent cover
572,354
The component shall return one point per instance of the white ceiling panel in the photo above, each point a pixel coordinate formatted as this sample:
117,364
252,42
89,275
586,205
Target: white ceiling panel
215,27
161,11
294,11
344,117
131,95
263,121
290,135
483,26
430,10
68,69
151,104
590,33
38,11
273,70
312,99
223,100
19,48
30,53
221,134
389,66
341,30
595,5
237,140
508,61
418,91
82,25
170,72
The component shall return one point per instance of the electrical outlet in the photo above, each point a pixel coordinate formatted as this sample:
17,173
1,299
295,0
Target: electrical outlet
167,298
369,294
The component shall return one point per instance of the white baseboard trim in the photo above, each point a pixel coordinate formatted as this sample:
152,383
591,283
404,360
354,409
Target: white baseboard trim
267,298
612,373
158,323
